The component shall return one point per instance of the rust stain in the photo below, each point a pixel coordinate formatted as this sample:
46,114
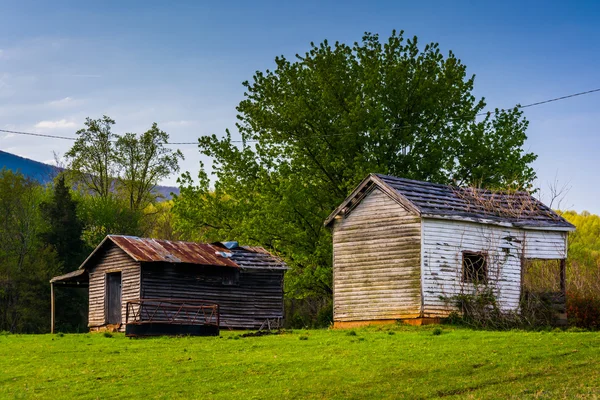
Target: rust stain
155,250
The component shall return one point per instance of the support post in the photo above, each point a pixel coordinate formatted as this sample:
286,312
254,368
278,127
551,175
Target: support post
51,307
563,276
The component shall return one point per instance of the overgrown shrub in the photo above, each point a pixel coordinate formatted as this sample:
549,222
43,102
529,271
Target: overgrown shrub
583,311
481,310
308,313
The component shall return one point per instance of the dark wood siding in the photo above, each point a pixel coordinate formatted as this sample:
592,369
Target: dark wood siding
111,259
256,296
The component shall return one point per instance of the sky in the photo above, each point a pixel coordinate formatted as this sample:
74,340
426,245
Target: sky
182,64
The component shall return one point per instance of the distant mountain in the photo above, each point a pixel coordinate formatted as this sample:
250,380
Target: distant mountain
44,173
34,169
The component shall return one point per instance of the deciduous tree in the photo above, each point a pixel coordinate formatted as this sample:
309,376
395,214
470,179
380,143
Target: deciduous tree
313,127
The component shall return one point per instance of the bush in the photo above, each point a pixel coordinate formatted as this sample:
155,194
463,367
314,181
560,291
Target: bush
481,310
312,312
583,311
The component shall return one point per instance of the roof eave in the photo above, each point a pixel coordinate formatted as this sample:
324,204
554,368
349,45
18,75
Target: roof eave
93,253
505,224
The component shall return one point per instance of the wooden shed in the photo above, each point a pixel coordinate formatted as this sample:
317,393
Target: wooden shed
403,248
245,282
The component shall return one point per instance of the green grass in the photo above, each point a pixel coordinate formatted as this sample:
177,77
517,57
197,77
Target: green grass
384,362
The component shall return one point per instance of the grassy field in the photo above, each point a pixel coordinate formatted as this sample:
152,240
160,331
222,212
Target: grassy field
383,362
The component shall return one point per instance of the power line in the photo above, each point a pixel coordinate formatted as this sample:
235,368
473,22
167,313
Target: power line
544,101
487,113
37,134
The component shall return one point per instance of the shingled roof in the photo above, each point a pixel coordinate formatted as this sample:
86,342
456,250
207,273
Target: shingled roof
431,200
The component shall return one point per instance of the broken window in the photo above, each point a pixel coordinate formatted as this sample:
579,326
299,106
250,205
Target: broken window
231,277
474,267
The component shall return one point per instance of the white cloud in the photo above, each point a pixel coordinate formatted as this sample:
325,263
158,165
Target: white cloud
60,124
65,102
8,136
183,122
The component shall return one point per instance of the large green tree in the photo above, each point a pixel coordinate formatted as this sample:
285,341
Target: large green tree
313,127
144,160
130,166
91,159
117,177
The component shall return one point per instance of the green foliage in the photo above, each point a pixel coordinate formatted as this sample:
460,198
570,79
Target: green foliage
144,161
26,262
91,159
460,363
584,243
64,226
108,216
105,163
583,270
314,127
64,234
437,331
117,176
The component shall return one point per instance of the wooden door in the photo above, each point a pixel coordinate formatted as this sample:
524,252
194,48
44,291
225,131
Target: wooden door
113,298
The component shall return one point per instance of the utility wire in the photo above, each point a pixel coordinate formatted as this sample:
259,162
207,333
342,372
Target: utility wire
487,113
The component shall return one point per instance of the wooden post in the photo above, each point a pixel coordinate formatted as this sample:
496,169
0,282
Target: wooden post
51,307
563,276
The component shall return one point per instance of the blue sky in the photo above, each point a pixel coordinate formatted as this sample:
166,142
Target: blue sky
181,64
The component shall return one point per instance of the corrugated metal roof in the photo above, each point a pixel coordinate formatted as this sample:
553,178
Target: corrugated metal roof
155,250
215,254
434,200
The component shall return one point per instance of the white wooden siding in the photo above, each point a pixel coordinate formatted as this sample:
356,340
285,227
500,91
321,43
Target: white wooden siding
443,244
377,262
113,259
549,245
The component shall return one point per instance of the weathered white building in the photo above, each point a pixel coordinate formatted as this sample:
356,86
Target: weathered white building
402,248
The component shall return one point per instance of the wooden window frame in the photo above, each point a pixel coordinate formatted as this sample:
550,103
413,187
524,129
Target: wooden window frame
474,278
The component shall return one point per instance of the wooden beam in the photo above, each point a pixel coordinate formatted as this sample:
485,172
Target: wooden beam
52,308
563,276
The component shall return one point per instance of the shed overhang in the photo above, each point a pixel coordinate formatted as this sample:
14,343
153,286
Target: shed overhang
77,278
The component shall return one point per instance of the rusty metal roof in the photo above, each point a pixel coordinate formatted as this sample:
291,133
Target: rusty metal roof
215,254
155,250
